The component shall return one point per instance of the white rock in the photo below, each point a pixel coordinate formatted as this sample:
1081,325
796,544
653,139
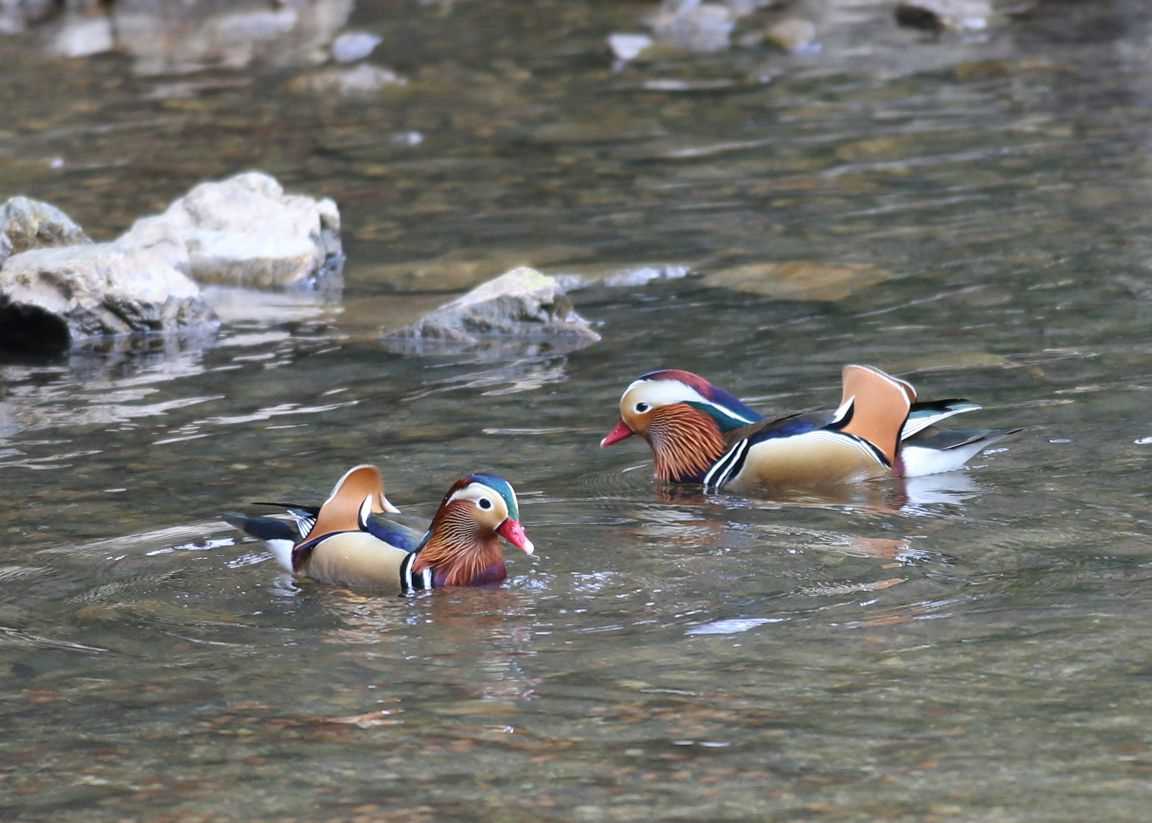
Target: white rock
245,231
627,47
53,298
83,36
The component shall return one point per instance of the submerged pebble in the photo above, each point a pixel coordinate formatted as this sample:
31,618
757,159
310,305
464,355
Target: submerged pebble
354,45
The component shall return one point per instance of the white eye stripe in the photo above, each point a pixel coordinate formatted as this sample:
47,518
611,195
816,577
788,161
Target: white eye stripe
667,392
473,491
477,492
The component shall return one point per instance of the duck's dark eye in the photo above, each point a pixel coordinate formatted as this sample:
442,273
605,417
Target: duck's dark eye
484,503
642,407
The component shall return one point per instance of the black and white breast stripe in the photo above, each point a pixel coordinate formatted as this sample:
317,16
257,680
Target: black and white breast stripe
727,466
417,582
871,448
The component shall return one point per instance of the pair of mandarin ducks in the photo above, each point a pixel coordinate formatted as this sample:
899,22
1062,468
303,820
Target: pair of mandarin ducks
698,434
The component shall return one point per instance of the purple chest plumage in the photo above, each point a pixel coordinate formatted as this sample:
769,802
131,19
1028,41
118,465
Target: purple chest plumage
489,576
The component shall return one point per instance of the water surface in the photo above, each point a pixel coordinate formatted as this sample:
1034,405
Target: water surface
966,212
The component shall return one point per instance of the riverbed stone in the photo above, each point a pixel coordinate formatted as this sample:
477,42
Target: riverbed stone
54,298
31,224
165,37
798,279
360,81
792,34
940,15
693,26
246,231
354,45
521,303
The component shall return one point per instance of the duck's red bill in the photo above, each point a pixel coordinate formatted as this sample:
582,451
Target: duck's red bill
513,532
618,433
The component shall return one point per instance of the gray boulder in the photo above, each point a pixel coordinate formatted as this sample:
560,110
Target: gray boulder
246,231
54,298
521,304
31,224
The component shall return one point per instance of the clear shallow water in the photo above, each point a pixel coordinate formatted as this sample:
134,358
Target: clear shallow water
970,649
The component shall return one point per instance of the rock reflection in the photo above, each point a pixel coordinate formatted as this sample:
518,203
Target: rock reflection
97,388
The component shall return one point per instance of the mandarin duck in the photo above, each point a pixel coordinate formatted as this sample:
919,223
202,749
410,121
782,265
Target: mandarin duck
702,434
347,542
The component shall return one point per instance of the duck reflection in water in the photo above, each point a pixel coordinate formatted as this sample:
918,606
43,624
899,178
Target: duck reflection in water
485,633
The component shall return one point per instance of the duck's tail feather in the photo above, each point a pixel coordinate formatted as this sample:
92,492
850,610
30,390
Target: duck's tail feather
304,516
923,415
874,406
278,535
945,450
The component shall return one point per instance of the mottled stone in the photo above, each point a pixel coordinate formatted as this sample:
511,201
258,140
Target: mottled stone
521,303
31,224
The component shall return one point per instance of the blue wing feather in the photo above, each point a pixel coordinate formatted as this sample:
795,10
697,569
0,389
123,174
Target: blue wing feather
395,534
